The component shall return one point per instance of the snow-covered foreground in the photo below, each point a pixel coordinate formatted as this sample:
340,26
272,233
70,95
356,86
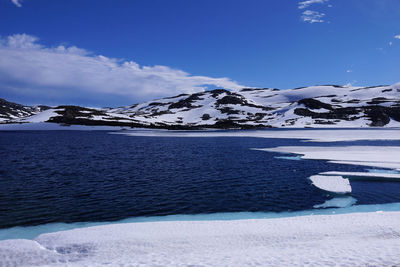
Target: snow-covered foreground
358,239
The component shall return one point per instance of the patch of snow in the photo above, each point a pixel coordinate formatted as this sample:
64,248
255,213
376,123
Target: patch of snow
393,124
97,118
41,117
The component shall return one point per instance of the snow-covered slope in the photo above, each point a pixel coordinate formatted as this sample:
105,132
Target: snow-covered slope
316,106
10,111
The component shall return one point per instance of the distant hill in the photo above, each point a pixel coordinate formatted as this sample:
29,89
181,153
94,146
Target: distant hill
315,106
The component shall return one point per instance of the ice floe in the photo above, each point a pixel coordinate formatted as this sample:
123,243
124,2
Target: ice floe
338,202
357,239
334,184
289,157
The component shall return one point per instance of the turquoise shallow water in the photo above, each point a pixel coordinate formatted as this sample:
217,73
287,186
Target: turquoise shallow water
31,232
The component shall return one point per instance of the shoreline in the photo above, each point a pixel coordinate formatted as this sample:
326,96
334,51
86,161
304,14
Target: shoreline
31,232
366,238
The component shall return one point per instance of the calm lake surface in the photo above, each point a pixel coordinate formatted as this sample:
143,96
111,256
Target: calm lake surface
81,176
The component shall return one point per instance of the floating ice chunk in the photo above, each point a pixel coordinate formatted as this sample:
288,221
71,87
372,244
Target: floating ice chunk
334,184
289,157
337,202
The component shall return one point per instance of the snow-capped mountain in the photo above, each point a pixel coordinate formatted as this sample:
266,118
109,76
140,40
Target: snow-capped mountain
316,106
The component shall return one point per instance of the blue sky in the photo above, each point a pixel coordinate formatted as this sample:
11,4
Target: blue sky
119,52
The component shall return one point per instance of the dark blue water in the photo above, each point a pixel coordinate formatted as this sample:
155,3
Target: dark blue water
75,176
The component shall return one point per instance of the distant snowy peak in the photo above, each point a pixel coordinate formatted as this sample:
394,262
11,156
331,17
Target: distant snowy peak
316,106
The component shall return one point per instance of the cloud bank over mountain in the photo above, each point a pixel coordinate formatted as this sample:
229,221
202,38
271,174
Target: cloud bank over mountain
30,68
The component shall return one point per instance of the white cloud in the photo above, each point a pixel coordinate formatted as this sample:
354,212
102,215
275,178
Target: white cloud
349,71
305,4
17,3
28,67
390,43
397,36
312,16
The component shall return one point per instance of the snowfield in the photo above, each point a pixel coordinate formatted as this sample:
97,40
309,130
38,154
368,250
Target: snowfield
359,239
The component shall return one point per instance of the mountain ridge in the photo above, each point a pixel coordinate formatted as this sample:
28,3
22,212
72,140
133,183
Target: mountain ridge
314,106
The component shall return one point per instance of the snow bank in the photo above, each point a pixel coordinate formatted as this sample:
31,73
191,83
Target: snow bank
358,239
375,156
331,135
